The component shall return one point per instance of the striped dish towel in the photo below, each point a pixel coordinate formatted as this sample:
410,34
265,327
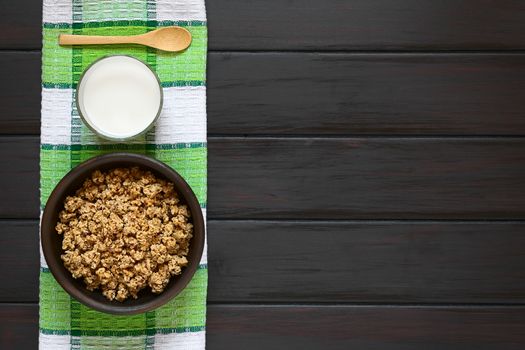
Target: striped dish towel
178,139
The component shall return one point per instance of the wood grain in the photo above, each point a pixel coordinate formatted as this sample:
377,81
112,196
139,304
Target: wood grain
20,93
366,25
367,327
19,259
363,94
352,178
326,327
329,24
18,326
366,262
19,173
334,178
21,24
340,94
329,262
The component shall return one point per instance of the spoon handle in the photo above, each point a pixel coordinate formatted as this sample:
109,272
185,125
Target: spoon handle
68,39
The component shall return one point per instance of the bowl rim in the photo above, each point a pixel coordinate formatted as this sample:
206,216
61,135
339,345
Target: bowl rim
98,132
47,228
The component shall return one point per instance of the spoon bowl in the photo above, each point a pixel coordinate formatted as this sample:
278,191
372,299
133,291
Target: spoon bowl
171,39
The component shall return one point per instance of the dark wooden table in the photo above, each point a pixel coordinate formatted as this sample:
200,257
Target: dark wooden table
366,174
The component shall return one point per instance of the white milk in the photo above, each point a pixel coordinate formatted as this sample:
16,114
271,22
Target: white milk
119,97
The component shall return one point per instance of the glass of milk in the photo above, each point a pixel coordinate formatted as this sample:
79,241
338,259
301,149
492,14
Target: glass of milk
119,97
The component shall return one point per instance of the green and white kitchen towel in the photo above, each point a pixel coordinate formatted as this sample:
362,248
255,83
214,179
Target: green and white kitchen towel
178,139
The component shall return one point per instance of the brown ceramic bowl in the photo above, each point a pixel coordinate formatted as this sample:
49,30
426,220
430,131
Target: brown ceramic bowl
52,241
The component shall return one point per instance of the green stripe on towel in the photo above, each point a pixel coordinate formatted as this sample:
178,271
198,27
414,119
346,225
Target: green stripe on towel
173,69
124,23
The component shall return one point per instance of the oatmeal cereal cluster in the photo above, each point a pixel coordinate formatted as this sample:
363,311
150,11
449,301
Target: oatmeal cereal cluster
124,230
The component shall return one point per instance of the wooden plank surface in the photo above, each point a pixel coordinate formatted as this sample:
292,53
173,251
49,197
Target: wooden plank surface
336,262
329,24
327,94
19,260
331,178
326,327
20,93
18,326
19,166
366,327
21,23
366,262
367,178
362,94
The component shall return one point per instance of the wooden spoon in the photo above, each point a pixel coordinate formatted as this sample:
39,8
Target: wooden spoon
167,39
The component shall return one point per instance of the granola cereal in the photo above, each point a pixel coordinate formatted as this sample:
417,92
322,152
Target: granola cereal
125,230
